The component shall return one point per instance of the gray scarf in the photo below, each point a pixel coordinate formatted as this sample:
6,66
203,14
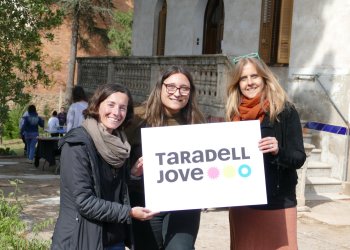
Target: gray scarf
114,148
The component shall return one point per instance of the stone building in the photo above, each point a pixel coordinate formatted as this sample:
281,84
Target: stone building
305,43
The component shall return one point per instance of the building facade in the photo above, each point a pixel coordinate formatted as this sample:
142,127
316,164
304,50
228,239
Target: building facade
305,43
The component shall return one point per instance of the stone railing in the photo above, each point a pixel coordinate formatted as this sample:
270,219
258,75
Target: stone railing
140,74
300,188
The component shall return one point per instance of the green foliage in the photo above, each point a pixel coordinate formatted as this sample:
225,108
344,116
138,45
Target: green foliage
86,17
11,125
13,230
121,36
7,151
89,14
47,112
23,25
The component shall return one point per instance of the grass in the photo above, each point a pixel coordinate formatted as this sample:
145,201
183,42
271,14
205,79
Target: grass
13,230
16,146
18,149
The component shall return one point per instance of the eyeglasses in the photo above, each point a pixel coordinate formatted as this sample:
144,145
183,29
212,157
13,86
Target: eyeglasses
236,59
171,89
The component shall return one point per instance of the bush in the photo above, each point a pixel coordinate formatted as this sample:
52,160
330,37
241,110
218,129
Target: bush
11,126
13,230
7,151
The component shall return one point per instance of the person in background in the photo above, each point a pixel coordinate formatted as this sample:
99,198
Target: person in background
75,112
94,203
53,124
30,130
171,102
21,121
255,94
62,117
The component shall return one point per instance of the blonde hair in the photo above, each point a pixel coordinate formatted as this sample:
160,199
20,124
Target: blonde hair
154,109
272,90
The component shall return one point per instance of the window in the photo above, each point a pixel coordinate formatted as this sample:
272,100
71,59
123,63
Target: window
161,29
275,31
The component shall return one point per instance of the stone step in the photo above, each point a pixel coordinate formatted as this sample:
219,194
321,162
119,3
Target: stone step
326,196
315,154
319,185
318,169
307,138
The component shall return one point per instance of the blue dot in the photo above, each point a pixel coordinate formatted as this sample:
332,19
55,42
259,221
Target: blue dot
244,170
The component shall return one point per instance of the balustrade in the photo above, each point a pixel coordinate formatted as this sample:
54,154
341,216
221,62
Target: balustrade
140,74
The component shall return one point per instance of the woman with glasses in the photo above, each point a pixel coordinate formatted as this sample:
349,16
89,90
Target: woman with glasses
171,102
255,94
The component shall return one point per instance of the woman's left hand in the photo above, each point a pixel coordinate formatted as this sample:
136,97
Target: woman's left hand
137,169
269,145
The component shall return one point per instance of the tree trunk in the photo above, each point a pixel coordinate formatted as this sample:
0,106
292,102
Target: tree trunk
72,59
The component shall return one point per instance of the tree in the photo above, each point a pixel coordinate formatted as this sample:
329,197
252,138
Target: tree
121,36
23,25
86,17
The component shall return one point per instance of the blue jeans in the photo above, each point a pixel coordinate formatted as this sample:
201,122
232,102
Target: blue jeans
31,143
119,246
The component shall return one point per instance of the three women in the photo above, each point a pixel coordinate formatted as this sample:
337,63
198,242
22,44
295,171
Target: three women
94,201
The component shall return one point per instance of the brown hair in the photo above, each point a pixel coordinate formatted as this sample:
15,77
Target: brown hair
101,94
154,109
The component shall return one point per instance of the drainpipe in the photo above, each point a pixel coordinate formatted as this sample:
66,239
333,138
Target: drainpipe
346,175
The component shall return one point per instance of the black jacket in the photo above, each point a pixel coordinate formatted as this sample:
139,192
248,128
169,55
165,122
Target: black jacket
82,210
280,170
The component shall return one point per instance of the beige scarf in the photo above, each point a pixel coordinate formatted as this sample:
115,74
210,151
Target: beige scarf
114,148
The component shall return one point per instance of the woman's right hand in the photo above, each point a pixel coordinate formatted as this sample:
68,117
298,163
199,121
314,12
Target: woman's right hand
141,213
137,168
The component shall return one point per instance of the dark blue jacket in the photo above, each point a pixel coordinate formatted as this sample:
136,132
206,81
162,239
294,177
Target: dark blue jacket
31,125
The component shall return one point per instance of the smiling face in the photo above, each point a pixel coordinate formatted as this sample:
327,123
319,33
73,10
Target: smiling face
173,103
112,110
250,84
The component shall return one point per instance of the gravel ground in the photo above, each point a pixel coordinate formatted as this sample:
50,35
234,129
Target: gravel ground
40,190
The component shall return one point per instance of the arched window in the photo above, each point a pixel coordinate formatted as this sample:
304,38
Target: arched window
213,27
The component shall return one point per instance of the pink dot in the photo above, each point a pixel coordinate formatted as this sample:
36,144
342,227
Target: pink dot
213,173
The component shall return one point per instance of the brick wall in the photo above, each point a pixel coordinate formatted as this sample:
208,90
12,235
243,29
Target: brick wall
57,53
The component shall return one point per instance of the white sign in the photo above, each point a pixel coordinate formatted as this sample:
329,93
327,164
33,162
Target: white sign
203,166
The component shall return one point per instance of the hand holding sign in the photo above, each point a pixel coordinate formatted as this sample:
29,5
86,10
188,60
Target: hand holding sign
141,213
137,168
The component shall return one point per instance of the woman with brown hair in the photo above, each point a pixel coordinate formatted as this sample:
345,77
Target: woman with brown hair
171,102
255,94
94,205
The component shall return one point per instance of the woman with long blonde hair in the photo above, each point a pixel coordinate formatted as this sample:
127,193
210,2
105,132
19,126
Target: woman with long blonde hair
255,94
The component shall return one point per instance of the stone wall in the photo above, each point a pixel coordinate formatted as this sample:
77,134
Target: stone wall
139,74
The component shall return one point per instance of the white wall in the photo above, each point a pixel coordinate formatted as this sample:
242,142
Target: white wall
242,26
143,27
185,20
179,21
319,45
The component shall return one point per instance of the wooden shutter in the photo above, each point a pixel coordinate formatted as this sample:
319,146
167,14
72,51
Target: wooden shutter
266,30
285,29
